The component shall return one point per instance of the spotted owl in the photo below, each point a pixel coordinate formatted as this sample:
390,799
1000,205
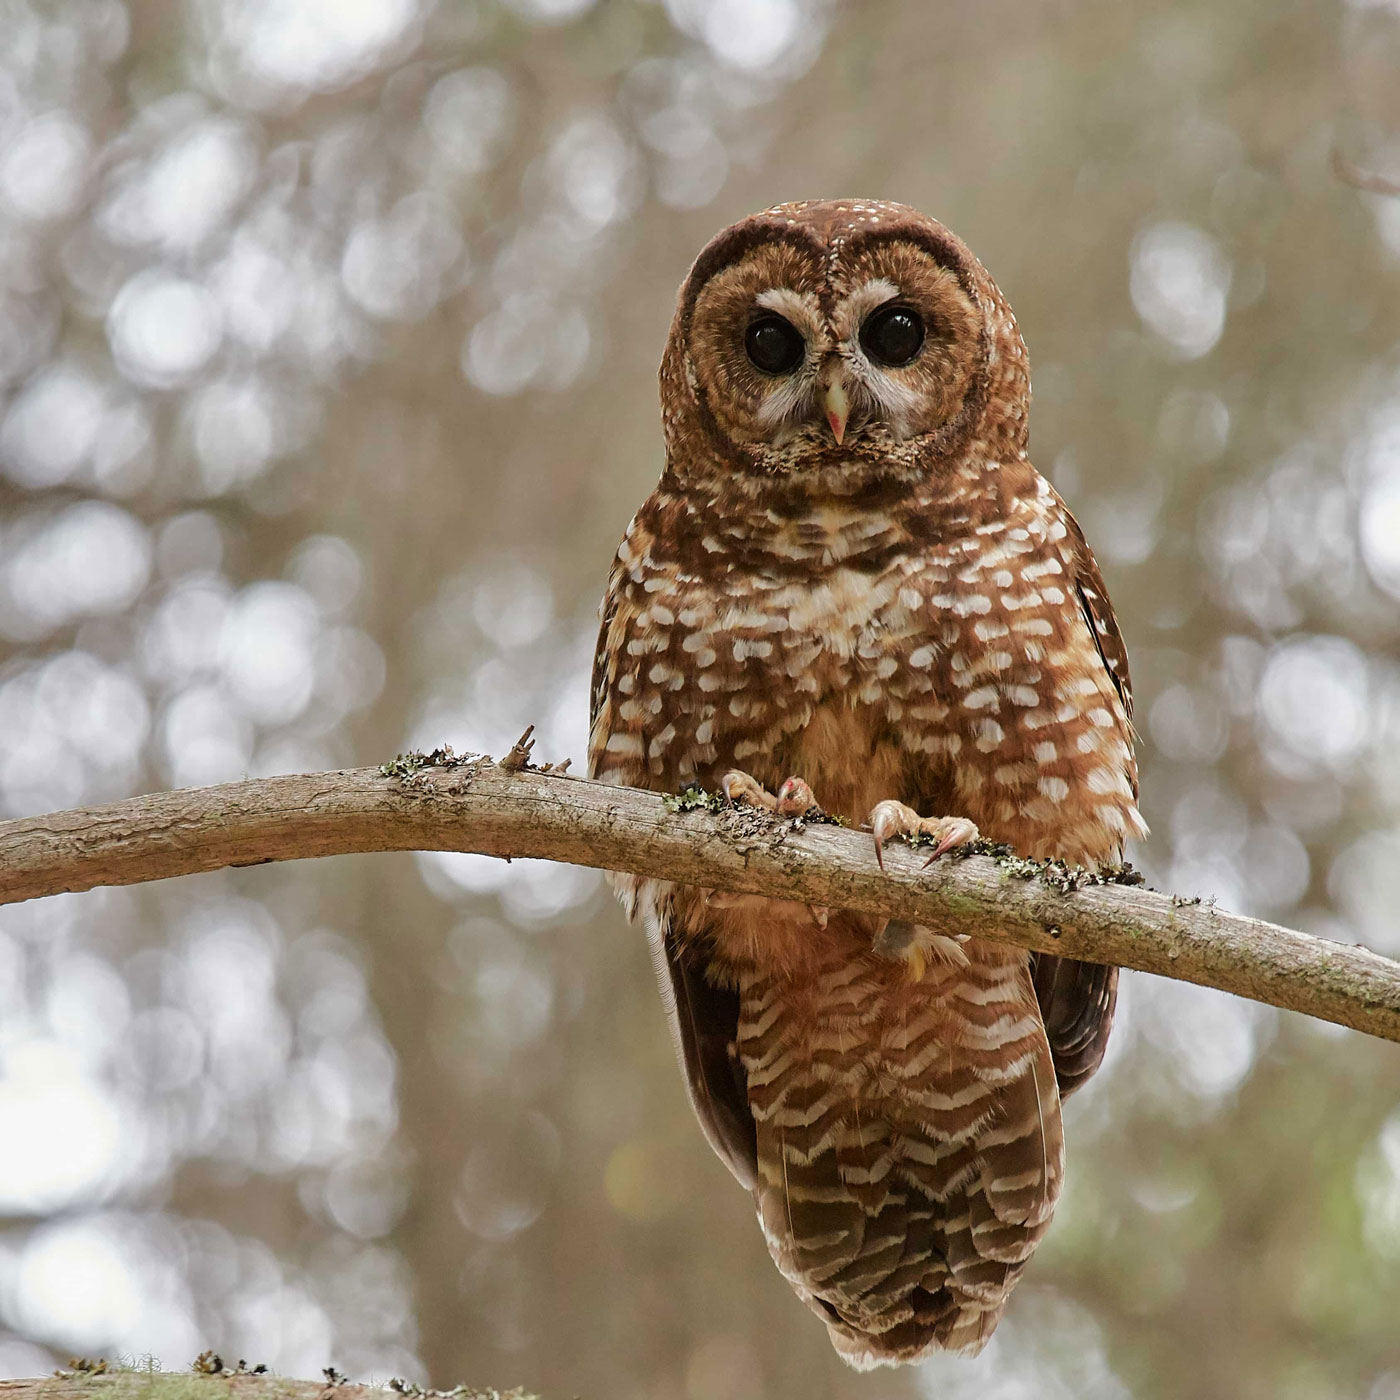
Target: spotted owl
851,587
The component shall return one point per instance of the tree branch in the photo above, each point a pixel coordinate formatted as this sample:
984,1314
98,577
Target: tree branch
473,804
99,1380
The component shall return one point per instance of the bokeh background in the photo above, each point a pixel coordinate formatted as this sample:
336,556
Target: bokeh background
328,334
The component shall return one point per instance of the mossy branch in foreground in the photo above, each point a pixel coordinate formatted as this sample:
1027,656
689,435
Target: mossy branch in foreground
444,801
210,1379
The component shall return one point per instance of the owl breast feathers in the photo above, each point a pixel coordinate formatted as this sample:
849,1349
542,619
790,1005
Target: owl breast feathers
851,572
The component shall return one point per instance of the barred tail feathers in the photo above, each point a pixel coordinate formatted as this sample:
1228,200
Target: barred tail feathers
909,1146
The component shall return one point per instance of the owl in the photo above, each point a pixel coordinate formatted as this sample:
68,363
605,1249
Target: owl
851,588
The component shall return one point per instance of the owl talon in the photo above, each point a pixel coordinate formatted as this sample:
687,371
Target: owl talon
958,832
794,798
889,819
738,787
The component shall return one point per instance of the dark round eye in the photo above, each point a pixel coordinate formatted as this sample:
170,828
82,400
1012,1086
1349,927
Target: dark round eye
774,345
893,335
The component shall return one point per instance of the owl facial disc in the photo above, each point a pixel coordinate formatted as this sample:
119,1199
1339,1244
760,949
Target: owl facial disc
837,347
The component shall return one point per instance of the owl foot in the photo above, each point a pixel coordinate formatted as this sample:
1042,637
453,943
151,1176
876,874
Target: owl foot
794,798
889,819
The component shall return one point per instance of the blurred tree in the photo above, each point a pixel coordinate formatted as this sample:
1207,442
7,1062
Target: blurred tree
327,335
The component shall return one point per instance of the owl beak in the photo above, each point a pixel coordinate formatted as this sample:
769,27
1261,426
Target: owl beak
838,407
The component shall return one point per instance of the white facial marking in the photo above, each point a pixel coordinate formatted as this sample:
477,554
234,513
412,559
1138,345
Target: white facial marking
801,308
861,303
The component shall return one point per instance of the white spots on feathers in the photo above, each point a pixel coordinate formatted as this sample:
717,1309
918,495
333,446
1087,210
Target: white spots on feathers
968,652
1105,780
990,735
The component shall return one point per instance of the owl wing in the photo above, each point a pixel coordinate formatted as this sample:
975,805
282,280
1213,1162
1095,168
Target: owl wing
1098,613
598,681
1076,1003
1077,998
703,1018
704,1023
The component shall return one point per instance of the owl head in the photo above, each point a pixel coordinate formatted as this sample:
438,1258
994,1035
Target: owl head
840,339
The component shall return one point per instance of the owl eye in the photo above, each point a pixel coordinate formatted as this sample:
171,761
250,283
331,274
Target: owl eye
893,335
774,345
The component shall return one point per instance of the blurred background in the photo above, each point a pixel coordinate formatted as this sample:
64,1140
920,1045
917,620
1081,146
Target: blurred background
328,336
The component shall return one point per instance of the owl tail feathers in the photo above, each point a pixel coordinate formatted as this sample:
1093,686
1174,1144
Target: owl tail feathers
907,1237
939,1324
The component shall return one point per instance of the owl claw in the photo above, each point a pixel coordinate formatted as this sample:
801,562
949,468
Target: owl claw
794,798
958,832
739,787
889,819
